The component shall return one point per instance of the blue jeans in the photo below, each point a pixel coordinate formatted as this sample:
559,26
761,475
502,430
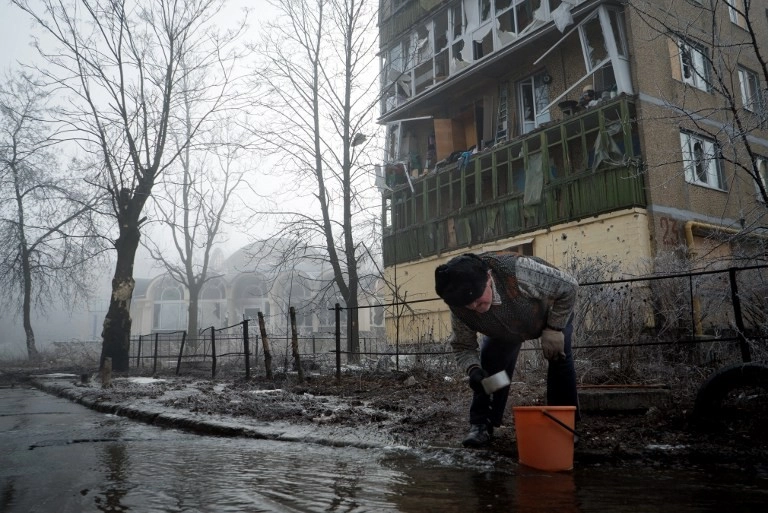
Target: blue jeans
497,355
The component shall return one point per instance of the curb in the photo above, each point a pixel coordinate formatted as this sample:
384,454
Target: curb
230,427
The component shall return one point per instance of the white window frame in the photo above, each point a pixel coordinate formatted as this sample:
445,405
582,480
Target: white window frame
701,161
735,10
750,90
590,62
699,66
761,164
540,102
170,310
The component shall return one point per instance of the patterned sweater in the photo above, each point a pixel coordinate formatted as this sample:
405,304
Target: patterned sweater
528,295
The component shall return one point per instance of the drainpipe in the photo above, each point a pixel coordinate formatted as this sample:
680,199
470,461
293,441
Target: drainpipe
689,226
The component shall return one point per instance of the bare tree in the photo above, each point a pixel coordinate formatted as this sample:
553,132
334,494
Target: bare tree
195,206
121,62
47,234
713,60
318,90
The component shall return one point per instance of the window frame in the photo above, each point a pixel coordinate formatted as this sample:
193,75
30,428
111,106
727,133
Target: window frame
698,63
761,167
736,8
749,84
711,151
537,84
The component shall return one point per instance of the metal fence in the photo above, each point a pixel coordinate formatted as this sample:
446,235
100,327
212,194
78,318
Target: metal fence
709,318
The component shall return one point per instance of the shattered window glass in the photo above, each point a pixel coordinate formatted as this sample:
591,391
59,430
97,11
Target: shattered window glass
594,43
485,10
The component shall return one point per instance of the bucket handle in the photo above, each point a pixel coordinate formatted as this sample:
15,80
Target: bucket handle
563,424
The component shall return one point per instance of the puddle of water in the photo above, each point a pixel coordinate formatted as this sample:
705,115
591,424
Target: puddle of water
120,465
231,475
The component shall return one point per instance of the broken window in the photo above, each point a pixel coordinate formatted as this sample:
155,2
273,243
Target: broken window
458,61
485,10
702,165
533,94
441,46
396,76
457,21
482,44
693,64
423,44
593,41
514,17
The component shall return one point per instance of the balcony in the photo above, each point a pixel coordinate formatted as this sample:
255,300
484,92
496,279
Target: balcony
584,165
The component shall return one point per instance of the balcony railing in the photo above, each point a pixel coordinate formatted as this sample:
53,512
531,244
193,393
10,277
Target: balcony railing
587,164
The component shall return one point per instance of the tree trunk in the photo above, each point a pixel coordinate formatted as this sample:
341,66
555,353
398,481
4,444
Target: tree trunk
32,352
192,319
116,334
353,331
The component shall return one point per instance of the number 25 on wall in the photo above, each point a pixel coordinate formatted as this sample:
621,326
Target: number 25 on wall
670,232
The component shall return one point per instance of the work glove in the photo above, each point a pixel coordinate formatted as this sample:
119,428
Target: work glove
476,377
553,344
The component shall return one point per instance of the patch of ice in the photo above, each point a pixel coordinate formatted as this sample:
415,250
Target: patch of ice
146,381
257,392
664,447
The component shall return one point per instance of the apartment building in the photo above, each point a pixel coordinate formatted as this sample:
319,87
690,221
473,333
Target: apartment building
624,130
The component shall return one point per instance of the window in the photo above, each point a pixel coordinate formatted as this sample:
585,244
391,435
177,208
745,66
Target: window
485,10
533,94
169,308
736,10
458,25
694,65
515,16
750,90
593,43
212,305
702,165
390,7
761,167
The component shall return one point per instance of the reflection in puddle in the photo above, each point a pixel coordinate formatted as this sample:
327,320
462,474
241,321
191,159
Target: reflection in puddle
119,465
234,475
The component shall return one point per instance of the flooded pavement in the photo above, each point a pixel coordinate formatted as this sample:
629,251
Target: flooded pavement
58,456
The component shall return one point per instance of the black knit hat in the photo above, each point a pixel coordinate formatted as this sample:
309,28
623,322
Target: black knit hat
461,280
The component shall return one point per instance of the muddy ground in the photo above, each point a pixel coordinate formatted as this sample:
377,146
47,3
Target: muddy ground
421,408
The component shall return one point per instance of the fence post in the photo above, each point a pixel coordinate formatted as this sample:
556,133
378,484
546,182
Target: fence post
213,352
154,358
138,354
181,351
736,302
295,344
265,345
337,310
247,348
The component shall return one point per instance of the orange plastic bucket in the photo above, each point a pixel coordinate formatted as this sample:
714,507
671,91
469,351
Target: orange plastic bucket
542,443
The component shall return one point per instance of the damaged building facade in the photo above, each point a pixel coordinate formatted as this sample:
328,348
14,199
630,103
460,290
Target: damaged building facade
562,128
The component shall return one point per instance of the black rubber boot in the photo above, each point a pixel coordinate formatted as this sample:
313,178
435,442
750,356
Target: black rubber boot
479,435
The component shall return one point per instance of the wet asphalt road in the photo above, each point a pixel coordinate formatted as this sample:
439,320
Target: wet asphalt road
58,456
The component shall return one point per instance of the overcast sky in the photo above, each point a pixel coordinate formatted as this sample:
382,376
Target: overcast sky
16,31
14,36
16,28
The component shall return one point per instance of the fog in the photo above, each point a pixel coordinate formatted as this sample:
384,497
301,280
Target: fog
83,321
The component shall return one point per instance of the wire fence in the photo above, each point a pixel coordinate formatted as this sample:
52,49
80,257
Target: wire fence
624,327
